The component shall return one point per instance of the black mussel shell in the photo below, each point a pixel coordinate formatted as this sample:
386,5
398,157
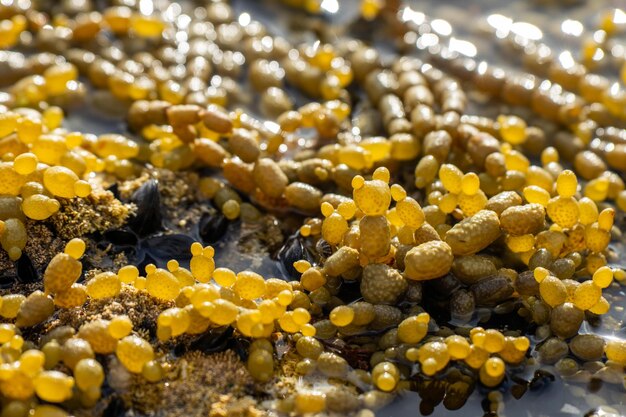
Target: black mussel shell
26,271
145,260
166,247
121,237
293,250
148,218
7,280
212,227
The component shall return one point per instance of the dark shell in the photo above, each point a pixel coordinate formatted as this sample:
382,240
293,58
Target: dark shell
121,237
7,280
144,261
148,219
26,271
293,250
212,227
166,247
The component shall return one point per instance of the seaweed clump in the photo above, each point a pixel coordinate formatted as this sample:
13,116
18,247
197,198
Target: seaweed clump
195,385
100,211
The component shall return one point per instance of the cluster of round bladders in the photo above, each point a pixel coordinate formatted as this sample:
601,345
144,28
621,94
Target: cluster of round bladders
463,191
43,165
